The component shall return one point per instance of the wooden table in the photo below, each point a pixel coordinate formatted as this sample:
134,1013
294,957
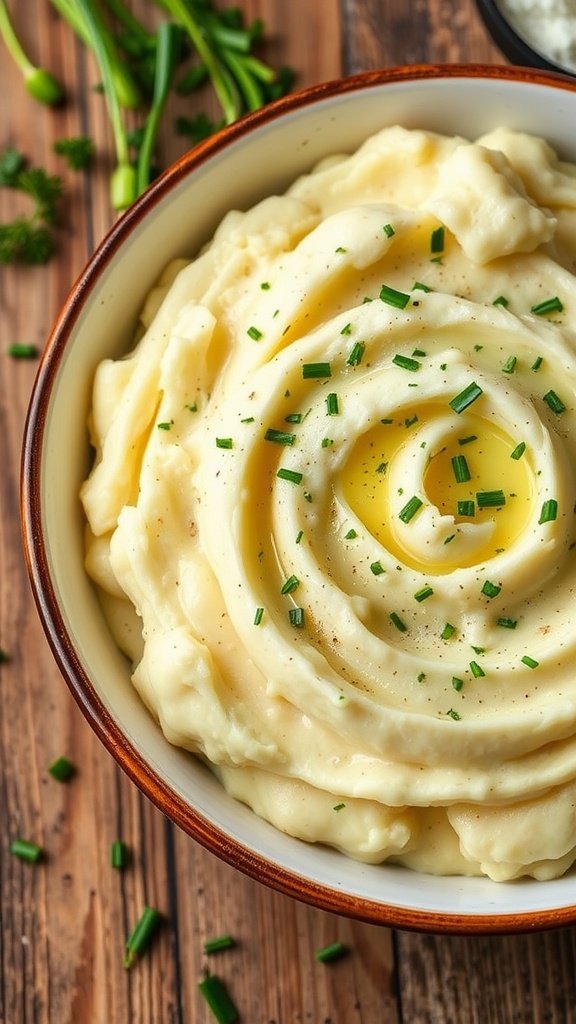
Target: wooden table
64,920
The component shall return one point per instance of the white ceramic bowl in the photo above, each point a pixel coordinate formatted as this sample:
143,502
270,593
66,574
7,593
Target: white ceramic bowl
259,155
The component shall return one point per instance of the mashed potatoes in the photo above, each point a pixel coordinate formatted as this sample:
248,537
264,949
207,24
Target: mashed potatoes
332,506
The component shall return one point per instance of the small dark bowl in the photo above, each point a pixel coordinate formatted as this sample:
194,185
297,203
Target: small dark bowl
513,45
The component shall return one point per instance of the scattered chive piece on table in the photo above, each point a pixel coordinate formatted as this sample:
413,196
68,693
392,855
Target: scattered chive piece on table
518,451
334,951
332,407
215,994
279,436
424,593
553,305
254,333
397,621
118,854
392,297
507,623
549,511
457,683
460,469
296,616
291,584
466,508
476,670
19,350
530,662
258,616
411,508
62,769
490,589
218,944
356,353
510,364
464,398
554,402
448,631
313,371
26,850
490,499
292,475
224,442
406,363
141,935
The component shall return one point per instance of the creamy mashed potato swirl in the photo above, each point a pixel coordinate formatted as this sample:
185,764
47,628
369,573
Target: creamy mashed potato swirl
332,507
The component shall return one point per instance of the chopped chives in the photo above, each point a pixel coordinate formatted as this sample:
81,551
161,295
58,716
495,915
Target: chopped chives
218,944
410,509
549,511
258,615
386,421
311,371
490,589
356,353
332,407
299,536
296,616
26,850
460,469
293,417
437,241
421,677
290,585
457,683
254,333
467,440
553,402
507,623
478,650
351,535
518,451
490,499
501,301
307,496
166,425
377,568
327,442
422,594
340,249
19,350
450,538
448,631
510,364
393,297
453,714
216,995
279,436
327,954
347,329
265,286
553,305
247,419
388,230
118,854
290,474
419,286
410,420
530,662
537,363
141,934
464,398
419,352
465,508
382,467
476,670
61,769
339,807
224,442
406,363
397,621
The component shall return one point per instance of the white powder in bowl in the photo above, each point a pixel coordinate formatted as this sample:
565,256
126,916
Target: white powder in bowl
548,26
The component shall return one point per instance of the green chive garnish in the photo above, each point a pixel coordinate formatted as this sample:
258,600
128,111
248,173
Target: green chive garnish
299,536
290,474
141,935
490,589
397,621
530,662
296,616
291,584
347,329
509,365
507,623
218,944
329,953
19,350
377,568
166,425
460,469
537,363
554,403
448,631
418,286
500,301
247,419
453,714
422,594
465,508
476,670
61,769
457,683
410,509
518,451
437,241
265,286
464,398
215,994
254,333
407,363
382,467
467,440
388,230
393,297
339,807
293,417
549,511
118,854
490,499
26,850
311,371
351,535
410,420
279,436
332,408
258,616
547,306
224,442
356,353
327,442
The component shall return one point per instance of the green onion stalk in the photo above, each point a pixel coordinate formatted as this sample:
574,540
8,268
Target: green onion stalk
168,43
39,82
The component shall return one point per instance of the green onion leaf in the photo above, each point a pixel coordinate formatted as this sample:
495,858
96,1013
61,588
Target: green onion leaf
518,451
332,408
464,398
457,683
507,623
351,535
291,584
18,350
141,935
537,363
453,714
279,436
418,286
388,230
406,363
312,371
467,440
476,670
530,662
437,241
26,850
291,475
62,769
553,402
327,954
549,511
460,469
224,442
347,329
258,616
356,353
500,301
296,616
410,509
397,621
218,944
216,995
254,333
118,854
490,499
510,364
424,593
465,508
299,536
448,631
393,297
553,305
490,589
293,417
377,568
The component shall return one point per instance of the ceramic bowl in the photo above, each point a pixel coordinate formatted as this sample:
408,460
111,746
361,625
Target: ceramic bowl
520,44
256,156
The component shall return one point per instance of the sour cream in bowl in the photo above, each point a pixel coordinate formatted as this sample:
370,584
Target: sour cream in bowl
320,528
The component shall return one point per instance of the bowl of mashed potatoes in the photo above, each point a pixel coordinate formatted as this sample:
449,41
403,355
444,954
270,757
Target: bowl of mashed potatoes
299,496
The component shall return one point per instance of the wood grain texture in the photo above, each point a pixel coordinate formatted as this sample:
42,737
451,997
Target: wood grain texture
64,920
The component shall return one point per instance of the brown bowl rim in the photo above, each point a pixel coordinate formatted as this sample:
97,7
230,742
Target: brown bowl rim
210,836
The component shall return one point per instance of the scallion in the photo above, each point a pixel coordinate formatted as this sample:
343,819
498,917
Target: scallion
457,683
26,850
423,593
388,230
296,616
530,662
553,305
279,436
410,509
466,508
464,398
476,670
327,954
397,621
332,407
292,475
254,332
554,402
377,568
19,350
356,353
141,935
406,363
437,241
490,589
518,451
510,364
549,511
218,944
312,371
216,995
224,442
258,616
460,469
392,297
490,499
290,585
62,769
507,623
118,854
448,631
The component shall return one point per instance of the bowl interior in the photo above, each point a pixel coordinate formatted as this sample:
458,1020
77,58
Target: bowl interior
179,213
